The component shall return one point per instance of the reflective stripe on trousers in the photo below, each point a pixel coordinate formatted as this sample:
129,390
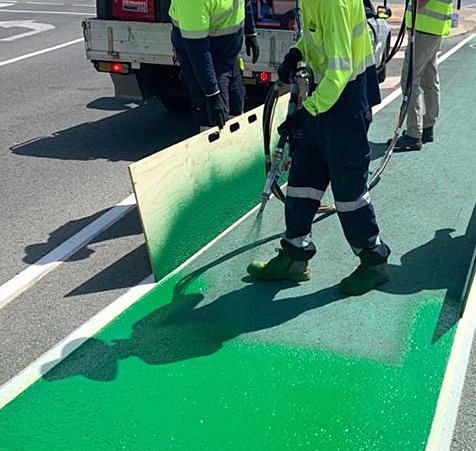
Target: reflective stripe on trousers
335,152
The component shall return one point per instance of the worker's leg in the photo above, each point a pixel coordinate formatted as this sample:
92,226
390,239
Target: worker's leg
430,83
199,111
236,91
348,154
412,137
232,89
307,183
308,180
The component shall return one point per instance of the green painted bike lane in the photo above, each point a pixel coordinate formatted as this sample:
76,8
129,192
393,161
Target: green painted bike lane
209,361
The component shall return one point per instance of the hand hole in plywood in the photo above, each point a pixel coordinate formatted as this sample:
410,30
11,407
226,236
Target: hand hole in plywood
234,127
252,118
212,137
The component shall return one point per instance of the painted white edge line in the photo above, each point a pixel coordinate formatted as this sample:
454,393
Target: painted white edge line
446,413
22,281
40,52
25,378
444,421
11,389
20,382
62,13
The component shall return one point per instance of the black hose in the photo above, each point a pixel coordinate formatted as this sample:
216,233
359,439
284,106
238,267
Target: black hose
272,98
407,92
400,37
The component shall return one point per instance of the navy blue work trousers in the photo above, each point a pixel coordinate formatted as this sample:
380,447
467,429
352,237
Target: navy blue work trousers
335,152
230,82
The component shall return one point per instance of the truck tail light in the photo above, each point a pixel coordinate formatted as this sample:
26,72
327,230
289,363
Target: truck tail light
264,77
116,68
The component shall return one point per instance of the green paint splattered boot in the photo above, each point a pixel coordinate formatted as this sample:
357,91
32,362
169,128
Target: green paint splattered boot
364,279
282,267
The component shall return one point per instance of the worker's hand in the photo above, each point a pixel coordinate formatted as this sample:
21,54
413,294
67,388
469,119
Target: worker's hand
252,47
289,65
217,110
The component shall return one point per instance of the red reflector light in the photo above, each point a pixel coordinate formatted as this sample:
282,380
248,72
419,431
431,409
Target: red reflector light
116,68
264,77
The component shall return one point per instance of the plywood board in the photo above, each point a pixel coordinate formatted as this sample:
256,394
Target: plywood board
189,193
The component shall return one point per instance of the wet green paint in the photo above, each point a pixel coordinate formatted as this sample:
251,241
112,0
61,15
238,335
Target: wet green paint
208,361
164,378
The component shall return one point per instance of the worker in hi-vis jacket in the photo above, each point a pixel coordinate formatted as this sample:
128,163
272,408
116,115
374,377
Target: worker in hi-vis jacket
329,136
433,21
207,36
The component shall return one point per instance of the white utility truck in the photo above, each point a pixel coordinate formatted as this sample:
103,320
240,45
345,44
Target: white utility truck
130,39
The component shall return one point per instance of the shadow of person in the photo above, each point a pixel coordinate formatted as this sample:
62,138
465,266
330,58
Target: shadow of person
440,264
128,135
191,326
188,328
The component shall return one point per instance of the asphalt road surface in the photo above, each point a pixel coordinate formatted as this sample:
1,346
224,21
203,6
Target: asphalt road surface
65,145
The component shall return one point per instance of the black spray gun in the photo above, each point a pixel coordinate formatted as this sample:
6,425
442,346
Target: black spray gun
301,84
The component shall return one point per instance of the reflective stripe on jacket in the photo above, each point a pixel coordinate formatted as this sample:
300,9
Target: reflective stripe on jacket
433,18
197,19
336,45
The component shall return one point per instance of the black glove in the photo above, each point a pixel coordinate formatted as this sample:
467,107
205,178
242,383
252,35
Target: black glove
251,42
289,65
217,110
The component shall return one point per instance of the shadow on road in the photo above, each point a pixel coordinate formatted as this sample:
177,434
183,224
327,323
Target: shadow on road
183,329
129,225
129,135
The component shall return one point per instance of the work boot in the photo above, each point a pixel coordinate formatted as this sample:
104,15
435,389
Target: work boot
407,142
282,267
427,136
364,279
372,271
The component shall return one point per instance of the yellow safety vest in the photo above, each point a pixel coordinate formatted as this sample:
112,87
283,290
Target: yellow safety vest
197,19
336,45
433,18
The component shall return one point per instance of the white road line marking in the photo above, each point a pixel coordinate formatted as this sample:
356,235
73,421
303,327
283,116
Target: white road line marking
5,5
444,421
40,52
11,389
63,13
21,282
20,382
34,27
446,413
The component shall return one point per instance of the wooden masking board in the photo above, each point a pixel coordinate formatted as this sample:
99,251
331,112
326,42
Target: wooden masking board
190,192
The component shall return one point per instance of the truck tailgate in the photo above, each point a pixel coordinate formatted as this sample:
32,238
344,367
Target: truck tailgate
134,42
145,42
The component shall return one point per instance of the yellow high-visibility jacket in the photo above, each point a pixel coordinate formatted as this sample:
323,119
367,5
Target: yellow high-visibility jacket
336,45
433,18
